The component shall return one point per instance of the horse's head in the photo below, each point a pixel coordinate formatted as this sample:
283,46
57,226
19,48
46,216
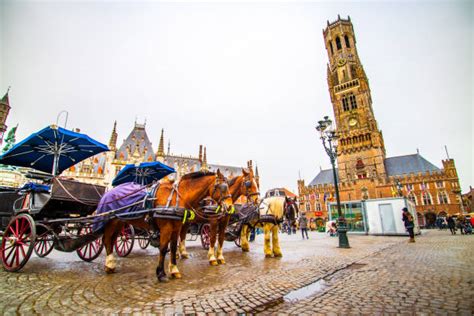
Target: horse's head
291,208
248,186
220,191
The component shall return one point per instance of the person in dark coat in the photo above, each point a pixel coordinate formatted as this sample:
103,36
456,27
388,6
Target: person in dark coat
452,225
409,223
303,222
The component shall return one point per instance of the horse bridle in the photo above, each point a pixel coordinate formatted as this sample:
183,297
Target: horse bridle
247,183
222,187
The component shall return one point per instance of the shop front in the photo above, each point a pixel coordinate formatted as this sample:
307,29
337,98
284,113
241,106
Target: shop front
353,213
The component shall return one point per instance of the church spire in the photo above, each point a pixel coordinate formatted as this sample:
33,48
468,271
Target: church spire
169,146
161,146
257,177
4,109
113,138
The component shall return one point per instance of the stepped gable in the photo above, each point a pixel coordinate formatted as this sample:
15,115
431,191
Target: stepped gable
136,146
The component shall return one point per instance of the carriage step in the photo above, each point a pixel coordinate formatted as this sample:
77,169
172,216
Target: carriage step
68,244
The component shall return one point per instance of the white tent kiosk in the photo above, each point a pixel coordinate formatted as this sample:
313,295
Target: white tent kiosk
384,216
376,216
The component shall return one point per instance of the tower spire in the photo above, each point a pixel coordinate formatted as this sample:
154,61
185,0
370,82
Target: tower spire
4,109
204,160
161,146
113,138
169,146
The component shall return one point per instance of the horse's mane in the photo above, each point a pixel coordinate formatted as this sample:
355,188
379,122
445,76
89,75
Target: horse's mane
232,181
197,174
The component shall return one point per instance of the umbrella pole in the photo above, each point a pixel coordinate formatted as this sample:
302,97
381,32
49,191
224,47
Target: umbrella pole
55,164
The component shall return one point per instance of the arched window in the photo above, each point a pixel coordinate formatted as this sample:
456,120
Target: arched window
345,103
426,198
442,198
338,43
332,48
346,39
412,198
353,100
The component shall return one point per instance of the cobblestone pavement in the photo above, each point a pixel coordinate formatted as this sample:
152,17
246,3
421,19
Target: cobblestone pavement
433,276
378,274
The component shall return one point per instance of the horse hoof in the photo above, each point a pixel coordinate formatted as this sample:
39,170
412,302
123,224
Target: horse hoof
213,263
185,255
109,270
220,261
163,278
245,249
176,276
278,255
267,255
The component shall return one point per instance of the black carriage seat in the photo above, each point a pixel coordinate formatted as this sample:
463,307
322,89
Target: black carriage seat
8,196
67,198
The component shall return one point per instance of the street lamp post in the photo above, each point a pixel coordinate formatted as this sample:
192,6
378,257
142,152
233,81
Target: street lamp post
329,139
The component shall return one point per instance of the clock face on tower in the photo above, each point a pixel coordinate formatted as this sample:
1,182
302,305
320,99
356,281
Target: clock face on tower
353,122
341,62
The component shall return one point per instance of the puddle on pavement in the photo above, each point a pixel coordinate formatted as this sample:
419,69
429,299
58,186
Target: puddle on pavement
307,291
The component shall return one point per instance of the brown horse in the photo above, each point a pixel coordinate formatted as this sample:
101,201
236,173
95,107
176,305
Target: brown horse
245,185
184,195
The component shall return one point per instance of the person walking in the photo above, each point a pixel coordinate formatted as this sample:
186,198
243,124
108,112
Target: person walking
452,225
303,221
409,223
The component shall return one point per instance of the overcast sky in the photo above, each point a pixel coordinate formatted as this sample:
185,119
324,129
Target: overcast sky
247,80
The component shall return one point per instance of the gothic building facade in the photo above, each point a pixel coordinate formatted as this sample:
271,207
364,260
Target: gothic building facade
137,147
363,169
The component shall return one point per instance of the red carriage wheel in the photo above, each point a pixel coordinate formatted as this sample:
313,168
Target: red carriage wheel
92,250
143,239
44,244
206,236
125,240
18,242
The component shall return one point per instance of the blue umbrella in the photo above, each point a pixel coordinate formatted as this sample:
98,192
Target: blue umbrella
53,149
143,173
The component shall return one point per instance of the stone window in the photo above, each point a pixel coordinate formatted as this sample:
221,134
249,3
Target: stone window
332,48
338,43
308,207
426,198
412,198
443,198
439,184
318,206
346,39
345,103
353,101
410,188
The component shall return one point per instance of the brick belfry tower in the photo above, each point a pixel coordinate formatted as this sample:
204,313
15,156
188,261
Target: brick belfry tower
361,150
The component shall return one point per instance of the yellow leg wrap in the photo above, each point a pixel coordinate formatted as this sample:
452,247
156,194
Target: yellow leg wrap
110,263
174,271
266,246
244,241
276,242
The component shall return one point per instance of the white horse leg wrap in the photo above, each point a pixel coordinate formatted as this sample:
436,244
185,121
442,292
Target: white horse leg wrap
110,261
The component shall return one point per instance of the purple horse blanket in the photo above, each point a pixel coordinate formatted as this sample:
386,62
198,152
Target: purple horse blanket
121,196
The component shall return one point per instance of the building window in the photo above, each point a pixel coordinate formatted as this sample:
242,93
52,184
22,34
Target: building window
352,98
338,43
442,198
346,38
345,104
410,188
318,207
362,175
332,48
412,198
439,184
308,207
427,199
424,186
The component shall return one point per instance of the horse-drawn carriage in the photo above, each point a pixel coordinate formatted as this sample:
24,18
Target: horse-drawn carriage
41,217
